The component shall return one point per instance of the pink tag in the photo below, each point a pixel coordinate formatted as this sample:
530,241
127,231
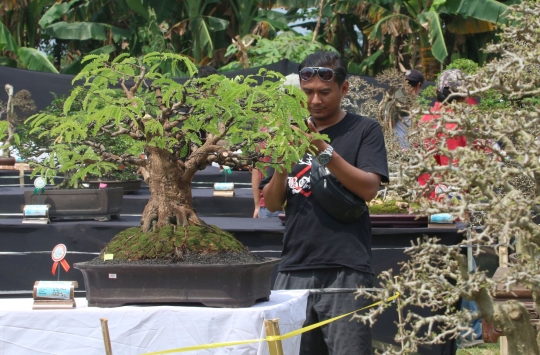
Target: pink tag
102,185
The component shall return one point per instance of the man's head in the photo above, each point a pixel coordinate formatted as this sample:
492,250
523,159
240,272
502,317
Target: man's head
415,79
323,79
450,81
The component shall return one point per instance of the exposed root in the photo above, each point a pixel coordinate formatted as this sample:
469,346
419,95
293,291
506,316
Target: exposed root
158,215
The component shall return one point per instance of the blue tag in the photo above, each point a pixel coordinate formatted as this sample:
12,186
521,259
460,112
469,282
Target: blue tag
441,218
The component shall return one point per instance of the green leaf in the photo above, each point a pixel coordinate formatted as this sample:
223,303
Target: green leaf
487,10
203,33
138,7
430,20
366,63
55,12
6,40
217,24
35,60
120,33
79,31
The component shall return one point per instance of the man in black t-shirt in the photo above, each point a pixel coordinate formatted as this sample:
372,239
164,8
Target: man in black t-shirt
318,250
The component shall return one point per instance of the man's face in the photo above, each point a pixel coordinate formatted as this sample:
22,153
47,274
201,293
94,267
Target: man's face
324,97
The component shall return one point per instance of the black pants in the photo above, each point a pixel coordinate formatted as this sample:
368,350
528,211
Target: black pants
341,337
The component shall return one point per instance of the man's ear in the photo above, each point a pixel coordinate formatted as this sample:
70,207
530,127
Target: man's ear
345,88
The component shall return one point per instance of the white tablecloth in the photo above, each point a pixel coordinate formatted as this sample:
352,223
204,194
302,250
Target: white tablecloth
142,329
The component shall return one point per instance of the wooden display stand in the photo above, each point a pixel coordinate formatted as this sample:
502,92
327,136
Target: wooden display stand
225,189
54,294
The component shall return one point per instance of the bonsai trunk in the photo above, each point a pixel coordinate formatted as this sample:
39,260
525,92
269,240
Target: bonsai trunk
170,193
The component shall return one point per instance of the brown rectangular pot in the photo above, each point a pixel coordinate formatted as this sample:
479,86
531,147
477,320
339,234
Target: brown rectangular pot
231,286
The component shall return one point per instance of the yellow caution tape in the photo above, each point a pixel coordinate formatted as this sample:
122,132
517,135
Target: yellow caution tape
269,337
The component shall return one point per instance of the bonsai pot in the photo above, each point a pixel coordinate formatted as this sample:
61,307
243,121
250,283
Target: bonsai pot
128,186
7,161
398,221
234,286
79,203
390,220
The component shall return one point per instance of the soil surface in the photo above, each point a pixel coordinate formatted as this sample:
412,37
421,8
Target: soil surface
223,258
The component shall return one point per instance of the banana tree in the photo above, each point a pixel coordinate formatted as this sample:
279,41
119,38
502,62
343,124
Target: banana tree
421,26
19,36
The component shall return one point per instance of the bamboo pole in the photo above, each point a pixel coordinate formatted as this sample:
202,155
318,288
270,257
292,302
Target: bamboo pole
272,328
503,262
400,318
21,175
106,337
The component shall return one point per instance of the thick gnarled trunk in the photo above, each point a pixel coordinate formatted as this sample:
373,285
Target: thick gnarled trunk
170,193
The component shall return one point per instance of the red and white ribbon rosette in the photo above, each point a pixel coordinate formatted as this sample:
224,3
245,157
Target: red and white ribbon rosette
58,255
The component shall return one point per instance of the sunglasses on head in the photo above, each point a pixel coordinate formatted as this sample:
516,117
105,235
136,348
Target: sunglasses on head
325,74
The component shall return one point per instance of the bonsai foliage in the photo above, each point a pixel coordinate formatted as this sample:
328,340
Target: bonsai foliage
173,129
503,148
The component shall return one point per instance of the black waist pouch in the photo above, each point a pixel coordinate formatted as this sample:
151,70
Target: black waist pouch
339,202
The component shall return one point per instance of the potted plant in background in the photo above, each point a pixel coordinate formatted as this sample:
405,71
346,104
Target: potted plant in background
18,106
126,177
178,127
387,102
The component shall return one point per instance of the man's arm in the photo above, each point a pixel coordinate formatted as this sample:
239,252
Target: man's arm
275,192
363,184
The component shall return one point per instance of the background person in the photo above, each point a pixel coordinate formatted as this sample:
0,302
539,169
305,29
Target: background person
401,121
318,250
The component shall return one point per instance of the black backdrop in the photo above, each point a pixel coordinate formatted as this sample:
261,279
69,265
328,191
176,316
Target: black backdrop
42,86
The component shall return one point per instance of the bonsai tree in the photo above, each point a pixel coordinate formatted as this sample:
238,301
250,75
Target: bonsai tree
175,130
487,179
385,103
12,113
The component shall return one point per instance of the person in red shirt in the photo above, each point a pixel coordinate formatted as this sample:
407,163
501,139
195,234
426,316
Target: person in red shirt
449,82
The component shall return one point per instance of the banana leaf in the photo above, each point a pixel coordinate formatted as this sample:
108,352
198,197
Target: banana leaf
35,60
486,10
432,23
80,31
6,40
138,7
55,12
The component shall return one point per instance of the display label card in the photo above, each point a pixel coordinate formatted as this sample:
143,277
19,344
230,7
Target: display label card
36,210
58,290
224,186
108,256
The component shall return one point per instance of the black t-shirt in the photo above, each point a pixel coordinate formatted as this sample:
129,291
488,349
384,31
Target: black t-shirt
313,239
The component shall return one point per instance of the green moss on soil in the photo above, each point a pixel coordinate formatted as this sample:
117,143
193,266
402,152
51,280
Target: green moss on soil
171,243
387,207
